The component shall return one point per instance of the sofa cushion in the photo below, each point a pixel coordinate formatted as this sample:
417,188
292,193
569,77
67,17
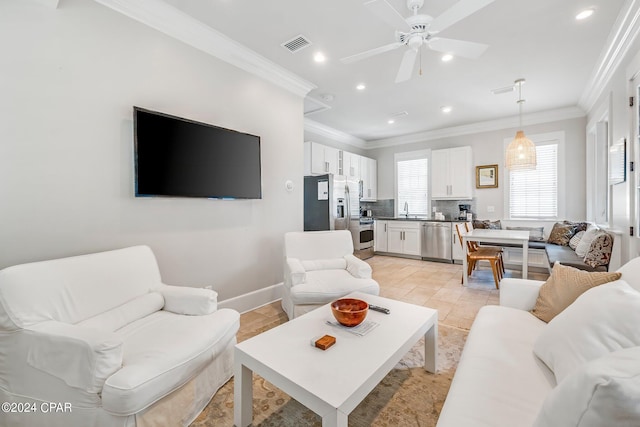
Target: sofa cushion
161,353
561,233
73,289
128,312
310,245
498,382
602,320
600,250
492,225
575,240
585,242
323,286
579,226
563,287
324,264
536,234
566,256
603,392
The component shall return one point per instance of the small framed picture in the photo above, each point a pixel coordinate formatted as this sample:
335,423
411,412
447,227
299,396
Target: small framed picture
487,176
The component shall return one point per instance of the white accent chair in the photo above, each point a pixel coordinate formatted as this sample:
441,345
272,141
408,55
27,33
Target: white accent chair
320,267
102,334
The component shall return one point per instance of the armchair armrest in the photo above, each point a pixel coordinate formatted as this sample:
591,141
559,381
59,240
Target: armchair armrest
82,357
519,293
294,272
357,267
188,300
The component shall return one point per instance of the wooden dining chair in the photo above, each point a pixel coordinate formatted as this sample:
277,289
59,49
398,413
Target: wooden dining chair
477,253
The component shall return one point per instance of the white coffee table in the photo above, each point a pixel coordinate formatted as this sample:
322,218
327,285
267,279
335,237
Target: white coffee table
334,381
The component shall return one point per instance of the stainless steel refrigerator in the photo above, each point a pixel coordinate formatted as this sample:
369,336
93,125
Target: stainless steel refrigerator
332,202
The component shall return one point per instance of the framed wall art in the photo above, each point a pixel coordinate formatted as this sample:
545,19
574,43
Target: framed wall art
487,176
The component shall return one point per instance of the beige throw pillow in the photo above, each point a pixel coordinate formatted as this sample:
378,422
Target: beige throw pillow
564,286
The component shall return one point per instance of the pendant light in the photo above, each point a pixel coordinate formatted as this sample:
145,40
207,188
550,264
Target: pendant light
521,152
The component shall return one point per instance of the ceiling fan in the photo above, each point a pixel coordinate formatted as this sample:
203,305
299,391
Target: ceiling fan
420,29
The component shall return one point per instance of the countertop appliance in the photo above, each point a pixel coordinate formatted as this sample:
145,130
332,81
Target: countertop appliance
332,202
436,241
464,210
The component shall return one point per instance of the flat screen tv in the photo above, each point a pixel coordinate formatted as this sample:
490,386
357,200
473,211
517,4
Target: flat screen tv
176,157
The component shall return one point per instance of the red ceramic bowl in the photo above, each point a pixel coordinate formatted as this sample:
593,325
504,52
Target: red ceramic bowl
349,311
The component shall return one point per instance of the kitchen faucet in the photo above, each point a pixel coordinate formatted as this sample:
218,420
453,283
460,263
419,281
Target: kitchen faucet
406,209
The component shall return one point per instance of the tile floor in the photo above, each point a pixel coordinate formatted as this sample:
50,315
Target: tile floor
432,284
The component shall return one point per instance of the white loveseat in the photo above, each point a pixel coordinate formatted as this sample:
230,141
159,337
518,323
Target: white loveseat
319,267
102,338
500,382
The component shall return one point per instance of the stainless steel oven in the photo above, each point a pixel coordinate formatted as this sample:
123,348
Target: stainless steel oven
364,243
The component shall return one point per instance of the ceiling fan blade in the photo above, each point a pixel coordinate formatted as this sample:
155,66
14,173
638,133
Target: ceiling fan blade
406,66
455,13
383,10
371,52
457,47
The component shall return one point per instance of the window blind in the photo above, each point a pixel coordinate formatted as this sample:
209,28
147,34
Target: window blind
533,194
413,185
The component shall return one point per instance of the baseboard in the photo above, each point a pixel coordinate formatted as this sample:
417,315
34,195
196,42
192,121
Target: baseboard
253,300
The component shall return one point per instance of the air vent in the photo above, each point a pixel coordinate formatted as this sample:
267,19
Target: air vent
297,43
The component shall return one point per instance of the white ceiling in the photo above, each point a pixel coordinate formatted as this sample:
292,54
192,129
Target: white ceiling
539,40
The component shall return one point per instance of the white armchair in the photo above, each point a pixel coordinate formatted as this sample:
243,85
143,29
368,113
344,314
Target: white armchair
320,267
103,337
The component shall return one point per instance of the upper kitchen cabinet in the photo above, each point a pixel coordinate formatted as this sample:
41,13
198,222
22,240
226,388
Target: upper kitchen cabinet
320,159
451,174
369,176
351,165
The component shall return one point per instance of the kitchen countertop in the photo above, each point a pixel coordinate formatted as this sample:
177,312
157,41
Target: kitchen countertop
415,218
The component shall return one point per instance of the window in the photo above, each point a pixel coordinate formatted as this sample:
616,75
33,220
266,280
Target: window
412,182
535,194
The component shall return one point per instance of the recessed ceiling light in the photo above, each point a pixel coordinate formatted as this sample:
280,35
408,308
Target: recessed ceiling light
319,57
584,14
447,57
391,121
361,86
446,109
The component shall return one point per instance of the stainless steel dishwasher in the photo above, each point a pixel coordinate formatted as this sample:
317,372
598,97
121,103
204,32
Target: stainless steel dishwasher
436,241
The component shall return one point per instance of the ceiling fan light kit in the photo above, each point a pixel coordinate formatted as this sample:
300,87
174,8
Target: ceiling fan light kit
521,152
419,30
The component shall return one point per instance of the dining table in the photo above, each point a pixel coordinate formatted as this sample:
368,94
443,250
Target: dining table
496,237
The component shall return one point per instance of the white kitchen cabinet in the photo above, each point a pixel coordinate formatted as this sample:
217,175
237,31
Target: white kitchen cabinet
403,237
351,165
369,176
320,159
452,174
457,253
380,234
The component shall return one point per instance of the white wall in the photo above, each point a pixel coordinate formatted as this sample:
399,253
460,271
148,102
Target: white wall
615,100
488,148
69,79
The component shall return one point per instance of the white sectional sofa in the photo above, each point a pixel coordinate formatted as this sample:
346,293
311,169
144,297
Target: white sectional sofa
500,382
101,336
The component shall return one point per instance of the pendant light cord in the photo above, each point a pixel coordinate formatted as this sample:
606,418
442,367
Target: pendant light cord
520,101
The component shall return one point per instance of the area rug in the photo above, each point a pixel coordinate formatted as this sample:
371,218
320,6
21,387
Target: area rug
407,396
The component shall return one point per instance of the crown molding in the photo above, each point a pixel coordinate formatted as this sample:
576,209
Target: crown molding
316,128
625,31
177,24
486,126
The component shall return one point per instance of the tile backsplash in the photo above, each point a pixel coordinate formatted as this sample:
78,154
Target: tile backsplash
450,208
381,208
385,208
